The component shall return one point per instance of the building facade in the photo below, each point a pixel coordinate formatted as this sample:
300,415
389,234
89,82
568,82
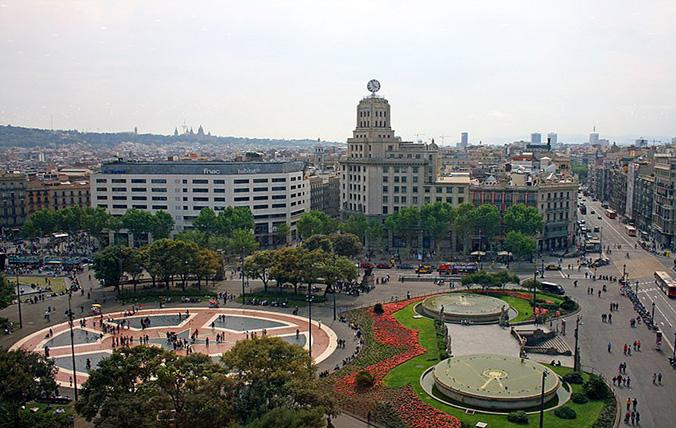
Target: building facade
381,174
12,201
55,196
325,194
664,204
275,192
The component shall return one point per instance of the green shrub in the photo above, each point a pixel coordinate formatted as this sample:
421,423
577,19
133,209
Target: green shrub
519,417
595,388
607,417
568,304
579,398
378,309
440,329
573,377
565,412
365,379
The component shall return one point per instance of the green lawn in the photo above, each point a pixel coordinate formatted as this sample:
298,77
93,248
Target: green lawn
410,372
523,307
57,283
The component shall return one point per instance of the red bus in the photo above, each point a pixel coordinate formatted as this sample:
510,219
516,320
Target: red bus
611,213
666,284
458,268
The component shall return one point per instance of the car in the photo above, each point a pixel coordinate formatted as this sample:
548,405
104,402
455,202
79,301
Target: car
596,229
592,212
599,218
383,265
600,262
367,265
424,269
404,266
552,266
55,399
554,288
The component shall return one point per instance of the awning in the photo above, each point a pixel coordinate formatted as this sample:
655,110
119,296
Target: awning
478,253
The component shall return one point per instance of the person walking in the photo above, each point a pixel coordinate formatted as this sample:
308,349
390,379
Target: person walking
654,378
659,378
609,346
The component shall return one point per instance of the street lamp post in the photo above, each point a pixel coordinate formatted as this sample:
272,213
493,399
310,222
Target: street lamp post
542,398
652,316
72,344
18,299
576,361
535,282
242,268
334,303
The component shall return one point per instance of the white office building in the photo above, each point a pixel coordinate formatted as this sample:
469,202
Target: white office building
536,138
552,138
275,192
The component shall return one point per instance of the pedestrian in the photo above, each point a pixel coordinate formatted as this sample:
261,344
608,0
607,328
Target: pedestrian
629,383
633,417
659,378
638,418
628,404
609,347
654,378
634,403
610,318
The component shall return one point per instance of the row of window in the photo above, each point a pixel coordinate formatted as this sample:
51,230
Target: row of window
194,181
186,207
198,189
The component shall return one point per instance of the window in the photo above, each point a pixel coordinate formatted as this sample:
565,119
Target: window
138,189
200,182
385,190
279,180
260,207
118,180
278,188
119,198
101,197
278,205
120,207
385,179
260,198
260,180
219,181
260,189
385,200
241,181
242,190
159,189
101,189
159,207
101,180
158,181
278,196
219,199
140,207
200,199
242,199
119,189
138,180
159,198
139,198
384,210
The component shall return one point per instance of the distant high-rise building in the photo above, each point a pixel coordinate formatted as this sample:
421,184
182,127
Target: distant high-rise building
464,139
552,138
535,138
594,138
641,142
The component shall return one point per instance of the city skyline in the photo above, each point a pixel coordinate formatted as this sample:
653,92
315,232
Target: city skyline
498,71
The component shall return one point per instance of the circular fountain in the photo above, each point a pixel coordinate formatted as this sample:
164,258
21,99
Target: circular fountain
470,307
494,382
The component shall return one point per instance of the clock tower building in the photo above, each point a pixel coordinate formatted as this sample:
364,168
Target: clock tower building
381,174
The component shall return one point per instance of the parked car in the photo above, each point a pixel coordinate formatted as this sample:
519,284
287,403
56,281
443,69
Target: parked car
383,265
552,267
599,217
367,265
600,262
592,212
424,269
596,229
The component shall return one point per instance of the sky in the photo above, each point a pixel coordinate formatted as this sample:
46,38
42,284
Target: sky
297,69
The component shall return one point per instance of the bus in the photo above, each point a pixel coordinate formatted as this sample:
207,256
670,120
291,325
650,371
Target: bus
631,230
458,268
611,213
666,284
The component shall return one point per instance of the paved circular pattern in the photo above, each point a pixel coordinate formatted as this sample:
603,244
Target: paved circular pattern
465,306
193,325
494,381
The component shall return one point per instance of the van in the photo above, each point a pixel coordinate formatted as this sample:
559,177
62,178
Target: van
552,287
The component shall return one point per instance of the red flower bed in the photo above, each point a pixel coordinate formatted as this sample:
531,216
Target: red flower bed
388,331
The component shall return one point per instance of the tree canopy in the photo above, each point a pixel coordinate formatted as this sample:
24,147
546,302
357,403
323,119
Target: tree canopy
519,244
524,219
315,223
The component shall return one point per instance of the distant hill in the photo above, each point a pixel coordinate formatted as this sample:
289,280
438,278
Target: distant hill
15,136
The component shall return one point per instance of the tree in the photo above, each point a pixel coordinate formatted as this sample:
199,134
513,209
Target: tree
315,223
160,260
581,171
269,373
183,256
26,376
346,244
207,264
41,223
132,264
136,386
206,222
436,220
336,269
318,242
287,266
242,242
486,219
96,221
463,223
404,223
283,417
138,222
108,266
259,265
234,218
197,236
369,231
524,219
6,291
282,231
519,244
162,225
